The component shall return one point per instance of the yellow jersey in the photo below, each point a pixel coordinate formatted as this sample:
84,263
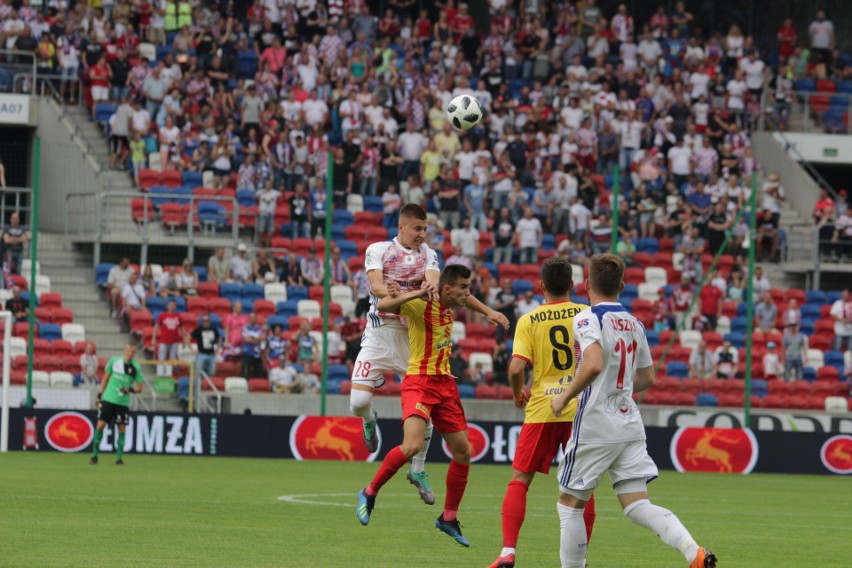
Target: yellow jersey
544,338
430,331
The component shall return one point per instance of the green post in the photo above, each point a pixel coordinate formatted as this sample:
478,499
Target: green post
752,241
329,208
616,192
33,271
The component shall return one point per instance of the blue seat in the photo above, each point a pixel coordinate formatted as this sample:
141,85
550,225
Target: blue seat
759,388
246,64
155,303
50,331
347,248
230,291
332,387
626,301
392,232
160,194
182,194
522,286
653,338
283,321
338,232
706,399
739,324
192,179
809,374
183,388
211,212
5,80
103,112
297,293
548,242
467,391
833,119
737,339
805,85
742,309
630,291
815,297
811,311
163,50
807,326
373,203
833,358
492,268
102,273
839,102
342,217
649,245
832,296
180,303
202,273
286,230
287,308
338,372
246,303
25,296
677,369
245,197
253,291
844,87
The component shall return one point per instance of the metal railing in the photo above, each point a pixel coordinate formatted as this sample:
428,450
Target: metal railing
202,401
94,215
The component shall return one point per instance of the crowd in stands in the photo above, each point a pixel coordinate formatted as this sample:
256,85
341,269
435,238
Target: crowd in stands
264,107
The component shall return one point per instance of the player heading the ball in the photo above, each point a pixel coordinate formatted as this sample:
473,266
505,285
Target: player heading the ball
429,393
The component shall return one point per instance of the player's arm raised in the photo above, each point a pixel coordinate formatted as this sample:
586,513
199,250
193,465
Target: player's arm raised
590,368
391,304
379,287
494,317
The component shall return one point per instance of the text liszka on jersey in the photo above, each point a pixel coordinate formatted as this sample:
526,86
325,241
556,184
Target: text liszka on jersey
407,267
606,411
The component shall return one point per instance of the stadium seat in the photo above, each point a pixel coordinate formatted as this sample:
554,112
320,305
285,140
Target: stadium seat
51,331
706,399
467,391
73,332
815,359
61,379
690,338
677,369
489,392
309,309
484,359
253,291
236,385
40,379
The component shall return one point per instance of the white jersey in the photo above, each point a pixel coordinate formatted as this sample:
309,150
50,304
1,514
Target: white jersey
606,412
406,267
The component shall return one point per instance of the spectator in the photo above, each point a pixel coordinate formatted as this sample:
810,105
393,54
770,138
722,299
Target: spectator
148,282
217,267
841,313
209,342
795,345
449,201
232,328
701,361
253,346
239,266
725,361
89,365
459,368
267,199
504,236
529,237
760,284
263,267
17,306
821,34
312,270
133,297
681,302
14,239
767,236
187,279
341,274
500,357
467,239
662,308
318,210
458,258
276,345
391,203
167,338
308,349
842,250
118,277
771,363
710,306
286,379
475,193
300,213
291,271
792,315
168,282
506,302
526,304
765,314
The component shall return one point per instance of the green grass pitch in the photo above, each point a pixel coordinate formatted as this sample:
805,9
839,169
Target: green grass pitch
56,510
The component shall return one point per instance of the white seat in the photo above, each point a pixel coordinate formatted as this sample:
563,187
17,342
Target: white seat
208,178
816,359
186,353
26,267
41,379
155,162
648,291
236,385
275,292
42,284
459,331
354,203
73,332
656,276
148,51
347,307
723,325
341,292
836,404
690,338
309,309
485,359
156,270
61,379
577,274
5,295
17,346
847,358
677,261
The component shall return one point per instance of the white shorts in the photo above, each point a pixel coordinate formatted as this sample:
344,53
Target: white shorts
584,465
100,93
383,349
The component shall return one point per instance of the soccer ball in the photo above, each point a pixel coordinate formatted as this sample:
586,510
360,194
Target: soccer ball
464,112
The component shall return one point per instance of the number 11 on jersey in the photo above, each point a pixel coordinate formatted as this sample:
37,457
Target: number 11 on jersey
624,349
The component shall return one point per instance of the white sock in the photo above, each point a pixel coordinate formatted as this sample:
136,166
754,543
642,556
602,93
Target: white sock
572,540
360,403
506,552
418,462
666,524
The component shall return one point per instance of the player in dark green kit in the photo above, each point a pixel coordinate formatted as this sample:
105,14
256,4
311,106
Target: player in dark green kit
122,376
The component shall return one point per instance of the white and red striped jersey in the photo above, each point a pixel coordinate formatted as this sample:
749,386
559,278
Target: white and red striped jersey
407,267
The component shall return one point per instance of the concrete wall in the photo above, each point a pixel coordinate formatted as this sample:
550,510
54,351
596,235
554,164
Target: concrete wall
65,168
800,188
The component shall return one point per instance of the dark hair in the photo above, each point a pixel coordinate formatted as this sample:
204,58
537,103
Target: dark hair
606,272
452,273
413,211
557,275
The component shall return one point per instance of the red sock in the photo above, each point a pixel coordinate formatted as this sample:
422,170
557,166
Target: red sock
391,464
589,518
456,483
514,510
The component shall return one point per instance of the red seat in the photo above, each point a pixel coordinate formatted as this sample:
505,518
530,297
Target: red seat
188,321
505,393
732,399
712,339
316,293
506,270
140,321
208,290
667,384
41,348
48,363
148,178
218,382
197,305
377,233
50,300
714,386
795,294
21,329
18,377
138,212
643,259
62,316
480,330
825,86
294,322
800,388
171,178
684,399
264,308
828,373
824,325
220,306
172,215
734,386
486,392
44,315
779,387
815,402
666,398
258,385
691,385
70,363
61,347
356,263
777,295
634,275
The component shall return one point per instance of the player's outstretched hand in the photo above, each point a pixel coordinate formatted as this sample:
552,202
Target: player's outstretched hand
522,399
393,288
496,318
431,289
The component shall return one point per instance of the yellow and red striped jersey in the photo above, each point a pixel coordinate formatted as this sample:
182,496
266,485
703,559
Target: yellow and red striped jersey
430,330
